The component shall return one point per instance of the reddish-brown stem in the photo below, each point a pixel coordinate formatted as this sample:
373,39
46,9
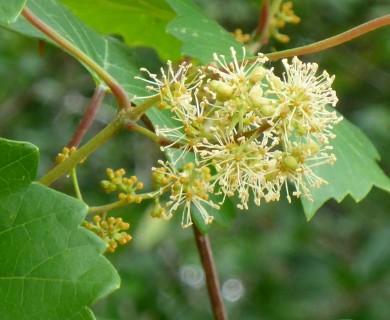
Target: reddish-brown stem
88,117
333,41
41,47
117,90
148,124
206,256
262,26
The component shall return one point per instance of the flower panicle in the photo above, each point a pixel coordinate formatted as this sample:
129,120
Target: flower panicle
111,230
256,132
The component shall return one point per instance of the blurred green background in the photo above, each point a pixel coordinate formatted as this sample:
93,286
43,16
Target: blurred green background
272,263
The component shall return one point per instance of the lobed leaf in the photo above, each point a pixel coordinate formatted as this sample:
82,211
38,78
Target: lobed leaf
354,173
50,266
140,23
114,57
201,36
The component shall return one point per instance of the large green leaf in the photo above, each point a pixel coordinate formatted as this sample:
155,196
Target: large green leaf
201,35
113,56
50,266
355,172
10,10
140,23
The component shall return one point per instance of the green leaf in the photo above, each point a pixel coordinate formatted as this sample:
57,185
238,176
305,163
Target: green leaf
50,266
113,56
140,23
201,35
355,172
18,164
10,10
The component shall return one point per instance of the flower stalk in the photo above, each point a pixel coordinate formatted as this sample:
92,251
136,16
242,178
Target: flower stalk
332,41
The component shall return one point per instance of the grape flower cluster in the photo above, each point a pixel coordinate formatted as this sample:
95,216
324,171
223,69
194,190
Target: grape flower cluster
242,131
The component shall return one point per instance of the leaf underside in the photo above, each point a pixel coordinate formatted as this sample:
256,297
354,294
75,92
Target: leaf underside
139,23
201,36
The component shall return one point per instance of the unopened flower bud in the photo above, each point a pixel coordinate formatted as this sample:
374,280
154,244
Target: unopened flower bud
223,90
257,74
267,110
290,163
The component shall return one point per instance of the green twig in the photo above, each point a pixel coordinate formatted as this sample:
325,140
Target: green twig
103,136
161,141
117,90
144,131
140,110
121,203
107,207
333,41
75,183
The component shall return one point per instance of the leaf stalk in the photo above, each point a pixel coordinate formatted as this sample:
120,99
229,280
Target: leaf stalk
117,90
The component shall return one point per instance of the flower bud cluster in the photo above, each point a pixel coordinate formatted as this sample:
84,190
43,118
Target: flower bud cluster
65,154
254,131
111,230
279,17
126,186
188,186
